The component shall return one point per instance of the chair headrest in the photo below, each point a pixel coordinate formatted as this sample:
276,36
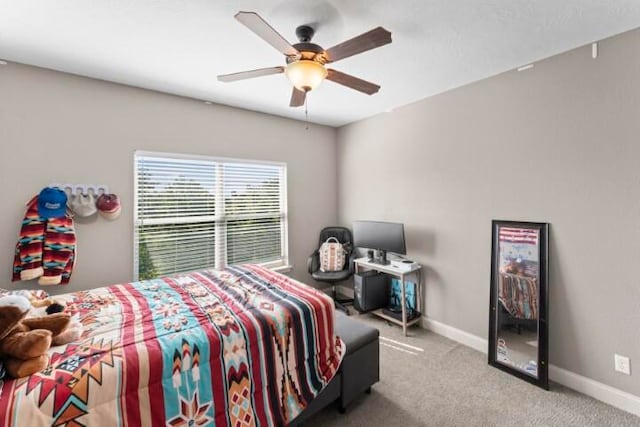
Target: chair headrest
343,234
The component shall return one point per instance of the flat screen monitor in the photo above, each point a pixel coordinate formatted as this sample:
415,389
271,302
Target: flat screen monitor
383,236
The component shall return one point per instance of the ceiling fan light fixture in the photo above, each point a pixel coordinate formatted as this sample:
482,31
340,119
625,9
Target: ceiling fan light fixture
305,74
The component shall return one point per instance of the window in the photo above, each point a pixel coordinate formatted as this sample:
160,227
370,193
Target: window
195,212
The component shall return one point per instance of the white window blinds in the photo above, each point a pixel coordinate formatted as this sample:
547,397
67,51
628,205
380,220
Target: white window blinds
193,213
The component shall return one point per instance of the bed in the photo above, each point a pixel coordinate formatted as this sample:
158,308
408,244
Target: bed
237,347
519,296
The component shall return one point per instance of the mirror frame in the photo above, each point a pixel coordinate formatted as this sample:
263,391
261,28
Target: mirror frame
543,302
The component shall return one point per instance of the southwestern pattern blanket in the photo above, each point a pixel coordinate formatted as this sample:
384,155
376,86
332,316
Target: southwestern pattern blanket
238,347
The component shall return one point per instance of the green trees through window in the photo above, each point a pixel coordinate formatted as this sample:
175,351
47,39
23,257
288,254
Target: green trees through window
195,214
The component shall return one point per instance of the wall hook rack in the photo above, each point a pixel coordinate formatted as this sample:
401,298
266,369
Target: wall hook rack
84,189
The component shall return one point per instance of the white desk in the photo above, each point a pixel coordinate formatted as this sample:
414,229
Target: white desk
361,264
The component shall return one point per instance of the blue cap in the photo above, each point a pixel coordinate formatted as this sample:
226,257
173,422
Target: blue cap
52,203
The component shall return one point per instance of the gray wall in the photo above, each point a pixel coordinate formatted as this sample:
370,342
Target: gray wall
56,127
559,143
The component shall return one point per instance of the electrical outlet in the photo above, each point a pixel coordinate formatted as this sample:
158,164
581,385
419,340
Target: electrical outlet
622,364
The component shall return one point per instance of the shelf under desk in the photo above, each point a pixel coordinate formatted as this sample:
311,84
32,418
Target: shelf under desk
362,264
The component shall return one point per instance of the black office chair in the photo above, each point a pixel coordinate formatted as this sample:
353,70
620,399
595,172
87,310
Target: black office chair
333,277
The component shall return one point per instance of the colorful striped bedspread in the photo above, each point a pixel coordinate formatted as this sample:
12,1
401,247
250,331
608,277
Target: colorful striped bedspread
238,347
519,295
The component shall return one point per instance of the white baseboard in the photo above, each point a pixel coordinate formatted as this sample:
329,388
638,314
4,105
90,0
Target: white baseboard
607,394
455,334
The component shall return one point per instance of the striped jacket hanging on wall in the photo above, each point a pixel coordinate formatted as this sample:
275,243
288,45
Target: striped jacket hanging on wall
46,248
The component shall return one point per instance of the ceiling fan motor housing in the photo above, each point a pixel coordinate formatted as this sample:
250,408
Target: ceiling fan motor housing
308,51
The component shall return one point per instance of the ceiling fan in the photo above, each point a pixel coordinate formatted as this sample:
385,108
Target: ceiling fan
306,61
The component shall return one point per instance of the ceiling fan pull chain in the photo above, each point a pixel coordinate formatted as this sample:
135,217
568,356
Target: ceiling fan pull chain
306,113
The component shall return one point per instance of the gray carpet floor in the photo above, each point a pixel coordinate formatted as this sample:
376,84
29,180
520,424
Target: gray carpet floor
448,384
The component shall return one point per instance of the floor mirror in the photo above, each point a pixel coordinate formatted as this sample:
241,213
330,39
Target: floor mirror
518,327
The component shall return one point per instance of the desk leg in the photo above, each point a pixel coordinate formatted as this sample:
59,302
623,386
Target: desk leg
403,301
419,301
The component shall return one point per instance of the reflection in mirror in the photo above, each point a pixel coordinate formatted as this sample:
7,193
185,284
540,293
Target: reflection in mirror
516,298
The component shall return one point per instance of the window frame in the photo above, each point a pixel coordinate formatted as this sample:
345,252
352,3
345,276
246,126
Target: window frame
219,217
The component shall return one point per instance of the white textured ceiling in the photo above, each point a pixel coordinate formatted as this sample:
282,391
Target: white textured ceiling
179,46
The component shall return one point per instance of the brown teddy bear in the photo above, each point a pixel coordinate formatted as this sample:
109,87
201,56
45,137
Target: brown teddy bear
24,341
51,306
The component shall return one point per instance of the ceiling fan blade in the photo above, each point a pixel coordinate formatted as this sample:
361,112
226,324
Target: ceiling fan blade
297,98
259,26
250,74
362,43
352,82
